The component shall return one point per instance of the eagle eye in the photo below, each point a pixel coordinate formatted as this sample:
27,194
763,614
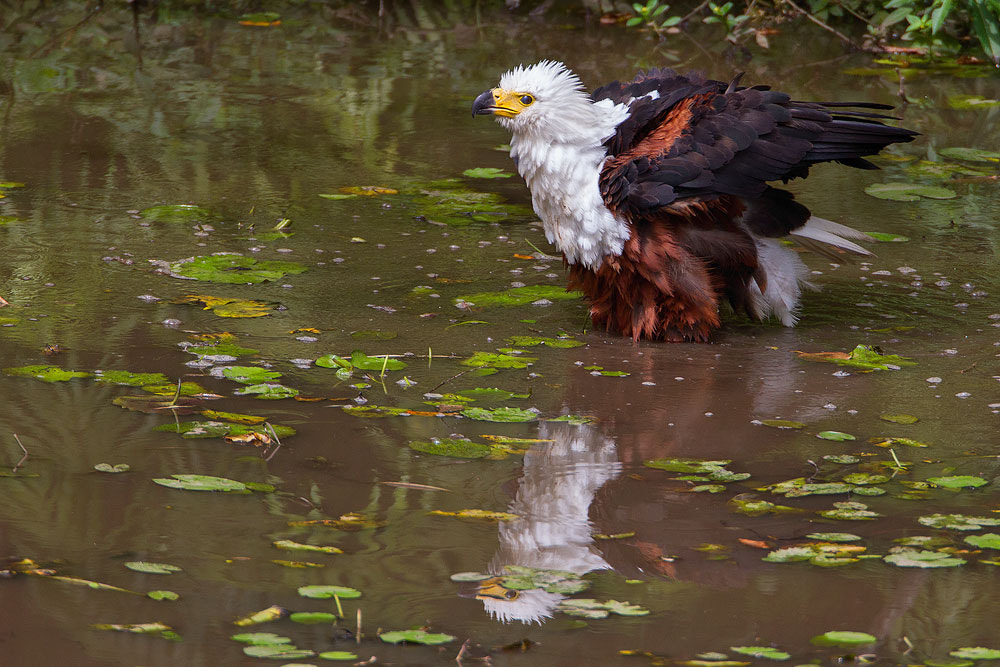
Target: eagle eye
527,99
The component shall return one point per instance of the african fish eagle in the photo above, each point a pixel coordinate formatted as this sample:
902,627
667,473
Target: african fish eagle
656,190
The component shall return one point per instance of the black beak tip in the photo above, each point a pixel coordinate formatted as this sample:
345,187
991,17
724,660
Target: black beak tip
483,104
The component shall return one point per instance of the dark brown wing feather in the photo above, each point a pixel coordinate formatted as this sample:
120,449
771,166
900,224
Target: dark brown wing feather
689,170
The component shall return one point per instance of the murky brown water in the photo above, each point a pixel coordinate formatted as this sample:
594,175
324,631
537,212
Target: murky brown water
253,124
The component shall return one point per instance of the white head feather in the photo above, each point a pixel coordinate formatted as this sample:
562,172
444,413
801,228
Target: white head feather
557,146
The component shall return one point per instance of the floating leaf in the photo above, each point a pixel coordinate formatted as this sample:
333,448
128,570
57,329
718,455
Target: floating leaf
161,629
834,537
347,522
971,102
909,191
486,172
970,154
453,447
249,374
958,482
202,483
923,559
843,638
151,568
768,652
127,378
268,391
368,190
864,357
591,608
863,478
260,19
234,417
278,652
976,653
224,307
312,617
686,465
325,591
107,467
504,415
176,213
184,389
360,360
336,655
233,269
297,546
415,637
8,185
958,521
483,515
214,429
529,341
836,436
849,512
169,596
272,613
261,638
782,423
896,442
519,296
45,373
491,360
576,420
984,541
843,459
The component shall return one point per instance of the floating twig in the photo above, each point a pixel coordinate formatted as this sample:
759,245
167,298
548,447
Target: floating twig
23,458
453,377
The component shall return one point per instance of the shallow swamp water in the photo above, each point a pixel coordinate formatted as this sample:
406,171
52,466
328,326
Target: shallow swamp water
113,173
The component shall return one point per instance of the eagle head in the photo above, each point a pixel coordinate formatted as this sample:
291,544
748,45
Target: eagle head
535,97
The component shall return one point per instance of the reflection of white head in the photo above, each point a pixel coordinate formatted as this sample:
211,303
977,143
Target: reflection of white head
553,500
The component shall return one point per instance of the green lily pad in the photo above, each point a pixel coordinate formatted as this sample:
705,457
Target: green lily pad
151,568
849,511
984,541
488,394
297,546
45,373
415,637
976,653
958,521
374,411
202,483
834,537
971,102
836,436
232,268
496,360
185,389
686,465
768,652
846,638
529,341
453,447
842,459
590,608
217,429
923,559
8,185
337,655
519,296
176,213
864,478
226,307
326,591
129,379
896,442
505,415
268,391
970,154
360,360
117,468
909,191
249,374
169,596
312,617
958,482
899,418
278,652
486,172
261,638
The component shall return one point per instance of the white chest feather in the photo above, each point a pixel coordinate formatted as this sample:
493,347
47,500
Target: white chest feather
563,178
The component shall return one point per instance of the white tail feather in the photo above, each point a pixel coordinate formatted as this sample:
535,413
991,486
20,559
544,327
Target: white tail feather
833,234
786,274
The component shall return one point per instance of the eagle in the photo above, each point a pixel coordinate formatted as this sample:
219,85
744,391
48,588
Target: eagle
658,191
